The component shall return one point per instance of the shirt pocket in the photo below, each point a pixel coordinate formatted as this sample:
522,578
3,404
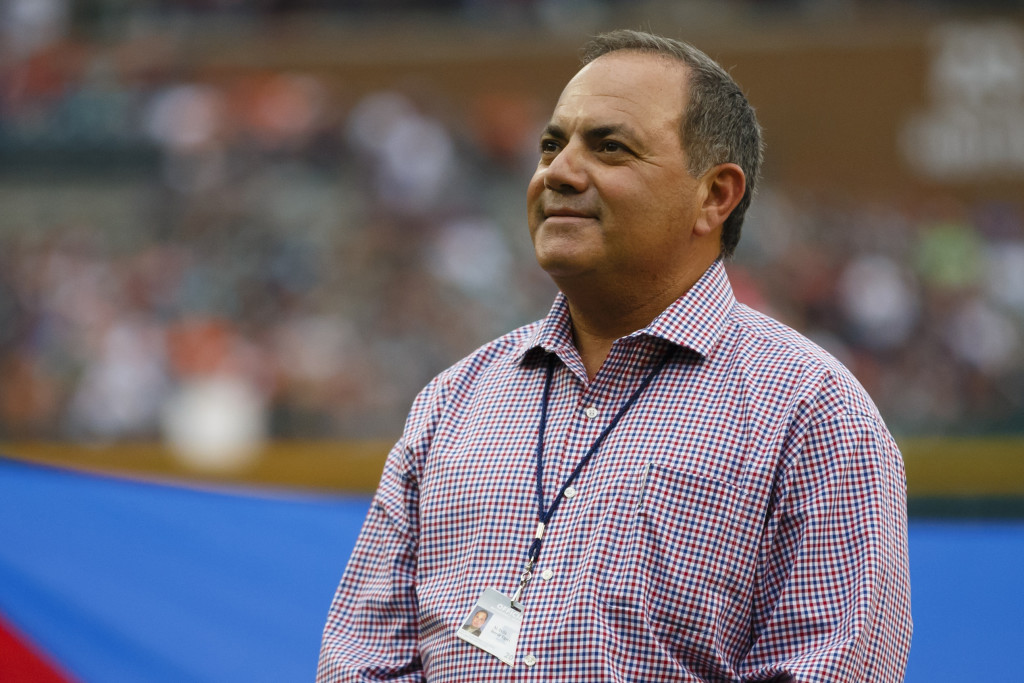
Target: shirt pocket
683,564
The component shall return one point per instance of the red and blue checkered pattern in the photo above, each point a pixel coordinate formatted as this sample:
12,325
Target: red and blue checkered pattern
746,519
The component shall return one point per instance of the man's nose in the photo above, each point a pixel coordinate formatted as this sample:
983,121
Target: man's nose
567,172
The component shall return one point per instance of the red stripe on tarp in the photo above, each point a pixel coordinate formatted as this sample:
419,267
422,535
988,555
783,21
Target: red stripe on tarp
21,662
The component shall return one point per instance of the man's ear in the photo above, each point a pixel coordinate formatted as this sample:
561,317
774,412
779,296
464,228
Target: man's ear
724,186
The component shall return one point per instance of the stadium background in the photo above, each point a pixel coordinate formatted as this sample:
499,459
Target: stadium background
236,237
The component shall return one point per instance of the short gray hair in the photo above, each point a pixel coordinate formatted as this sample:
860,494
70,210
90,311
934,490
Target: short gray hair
719,125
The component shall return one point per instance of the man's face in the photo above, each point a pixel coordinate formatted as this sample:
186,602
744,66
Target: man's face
612,201
479,619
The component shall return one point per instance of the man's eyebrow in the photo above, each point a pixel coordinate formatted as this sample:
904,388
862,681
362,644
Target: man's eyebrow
553,130
610,130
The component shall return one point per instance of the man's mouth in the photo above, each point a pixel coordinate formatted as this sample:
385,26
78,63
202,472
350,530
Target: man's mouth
566,213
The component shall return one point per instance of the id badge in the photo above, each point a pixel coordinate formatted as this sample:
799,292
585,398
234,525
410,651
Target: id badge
493,626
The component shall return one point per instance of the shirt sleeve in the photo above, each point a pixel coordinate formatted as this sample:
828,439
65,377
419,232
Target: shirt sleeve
372,625
832,602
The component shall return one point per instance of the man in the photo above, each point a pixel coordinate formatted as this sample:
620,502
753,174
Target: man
654,482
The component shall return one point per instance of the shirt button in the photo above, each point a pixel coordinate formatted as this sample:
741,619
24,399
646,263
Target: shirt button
529,660
590,412
547,574
570,491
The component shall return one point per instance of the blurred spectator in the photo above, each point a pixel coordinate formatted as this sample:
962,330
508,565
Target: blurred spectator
121,391
948,254
983,338
27,25
878,302
411,155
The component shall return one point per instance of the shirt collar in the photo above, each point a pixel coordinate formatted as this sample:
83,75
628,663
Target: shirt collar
695,321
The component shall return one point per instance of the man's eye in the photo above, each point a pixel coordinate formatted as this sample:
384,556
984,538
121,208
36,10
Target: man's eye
548,147
612,146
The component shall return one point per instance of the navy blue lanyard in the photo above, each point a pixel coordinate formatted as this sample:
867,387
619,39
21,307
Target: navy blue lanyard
544,515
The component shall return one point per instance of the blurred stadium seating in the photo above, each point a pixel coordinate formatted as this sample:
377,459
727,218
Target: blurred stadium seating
228,224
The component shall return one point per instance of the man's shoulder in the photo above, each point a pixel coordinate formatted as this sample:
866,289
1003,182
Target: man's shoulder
771,349
505,350
490,366
756,330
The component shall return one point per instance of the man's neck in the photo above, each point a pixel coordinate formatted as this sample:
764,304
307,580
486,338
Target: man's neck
600,318
596,328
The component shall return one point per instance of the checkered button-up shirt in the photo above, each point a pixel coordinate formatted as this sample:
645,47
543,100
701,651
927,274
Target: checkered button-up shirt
745,519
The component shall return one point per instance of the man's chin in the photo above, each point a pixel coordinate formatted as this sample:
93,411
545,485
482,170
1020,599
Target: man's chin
562,267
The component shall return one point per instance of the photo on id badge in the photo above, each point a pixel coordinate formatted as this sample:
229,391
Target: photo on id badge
493,626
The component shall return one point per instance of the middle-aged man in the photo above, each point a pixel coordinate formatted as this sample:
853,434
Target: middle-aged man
654,482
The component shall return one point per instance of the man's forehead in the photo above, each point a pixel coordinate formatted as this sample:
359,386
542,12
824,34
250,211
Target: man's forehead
626,67
623,90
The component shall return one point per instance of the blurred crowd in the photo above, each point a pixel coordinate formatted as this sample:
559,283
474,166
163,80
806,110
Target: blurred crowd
250,251
266,258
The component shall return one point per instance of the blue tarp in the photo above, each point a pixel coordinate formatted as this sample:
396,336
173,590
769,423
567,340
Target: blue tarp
127,581
967,599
